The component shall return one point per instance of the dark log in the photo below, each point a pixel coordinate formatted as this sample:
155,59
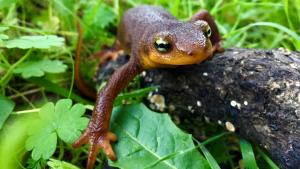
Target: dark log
258,91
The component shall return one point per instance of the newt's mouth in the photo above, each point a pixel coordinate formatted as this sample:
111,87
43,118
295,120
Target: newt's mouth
152,60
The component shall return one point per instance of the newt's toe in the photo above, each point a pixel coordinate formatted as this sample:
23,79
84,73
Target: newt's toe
97,142
83,139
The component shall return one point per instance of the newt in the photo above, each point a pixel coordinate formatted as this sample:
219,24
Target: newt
154,39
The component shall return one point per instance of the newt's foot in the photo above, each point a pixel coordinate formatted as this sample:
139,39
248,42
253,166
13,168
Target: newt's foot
97,141
107,54
218,47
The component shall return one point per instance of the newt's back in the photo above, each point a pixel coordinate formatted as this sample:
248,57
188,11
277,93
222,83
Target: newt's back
137,21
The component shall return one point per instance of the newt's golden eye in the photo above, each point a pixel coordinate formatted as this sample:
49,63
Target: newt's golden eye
207,32
162,45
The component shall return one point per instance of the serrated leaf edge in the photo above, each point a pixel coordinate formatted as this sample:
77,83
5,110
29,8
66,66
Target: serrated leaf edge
138,142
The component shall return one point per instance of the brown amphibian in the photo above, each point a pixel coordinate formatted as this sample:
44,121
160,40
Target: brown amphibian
154,39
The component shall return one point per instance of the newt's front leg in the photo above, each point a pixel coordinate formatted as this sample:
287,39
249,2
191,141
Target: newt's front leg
97,134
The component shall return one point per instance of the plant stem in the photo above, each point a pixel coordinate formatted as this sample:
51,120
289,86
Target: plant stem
73,75
61,150
4,59
25,111
5,79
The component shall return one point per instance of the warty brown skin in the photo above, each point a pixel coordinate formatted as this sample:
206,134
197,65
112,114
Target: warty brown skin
139,29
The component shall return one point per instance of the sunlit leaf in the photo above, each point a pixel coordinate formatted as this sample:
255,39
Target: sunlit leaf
40,42
6,107
146,137
248,155
210,159
99,15
6,3
57,164
3,28
61,120
38,68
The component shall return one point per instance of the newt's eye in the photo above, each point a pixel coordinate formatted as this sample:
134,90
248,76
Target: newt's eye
207,32
162,45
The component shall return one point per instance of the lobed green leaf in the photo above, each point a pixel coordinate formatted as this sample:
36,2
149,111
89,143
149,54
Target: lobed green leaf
38,68
6,107
38,41
60,120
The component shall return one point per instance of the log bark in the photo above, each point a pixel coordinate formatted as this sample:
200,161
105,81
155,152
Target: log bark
258,91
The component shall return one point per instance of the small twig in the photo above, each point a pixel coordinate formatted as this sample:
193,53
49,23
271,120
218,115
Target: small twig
25,93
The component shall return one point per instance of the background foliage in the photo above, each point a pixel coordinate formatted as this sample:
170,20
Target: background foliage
37,44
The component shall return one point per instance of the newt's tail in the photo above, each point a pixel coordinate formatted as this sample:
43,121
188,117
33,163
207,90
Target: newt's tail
79,82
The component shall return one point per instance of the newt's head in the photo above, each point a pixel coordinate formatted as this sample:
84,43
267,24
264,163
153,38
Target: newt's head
178,44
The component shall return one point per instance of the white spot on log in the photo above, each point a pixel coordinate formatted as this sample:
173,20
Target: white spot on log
207,120
293,65
285,51
245,103
144,73
275,85
229,126
199,104
171,107
220,122
234,103
159,101
190,108
205,74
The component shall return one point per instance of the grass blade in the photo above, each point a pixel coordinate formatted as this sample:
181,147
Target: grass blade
266,158
210,159
248,155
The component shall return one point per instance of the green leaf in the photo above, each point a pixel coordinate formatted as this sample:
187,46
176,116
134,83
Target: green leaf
3,28
248,155
3,37
40,42
42,143
146,137
6,4
70,128
6,107
134,96
99,15
63,120
57,164
39,67
33,164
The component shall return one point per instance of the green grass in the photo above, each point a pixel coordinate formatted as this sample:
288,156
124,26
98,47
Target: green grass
264,24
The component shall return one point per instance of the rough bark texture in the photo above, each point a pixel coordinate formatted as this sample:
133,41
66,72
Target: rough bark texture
257,91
